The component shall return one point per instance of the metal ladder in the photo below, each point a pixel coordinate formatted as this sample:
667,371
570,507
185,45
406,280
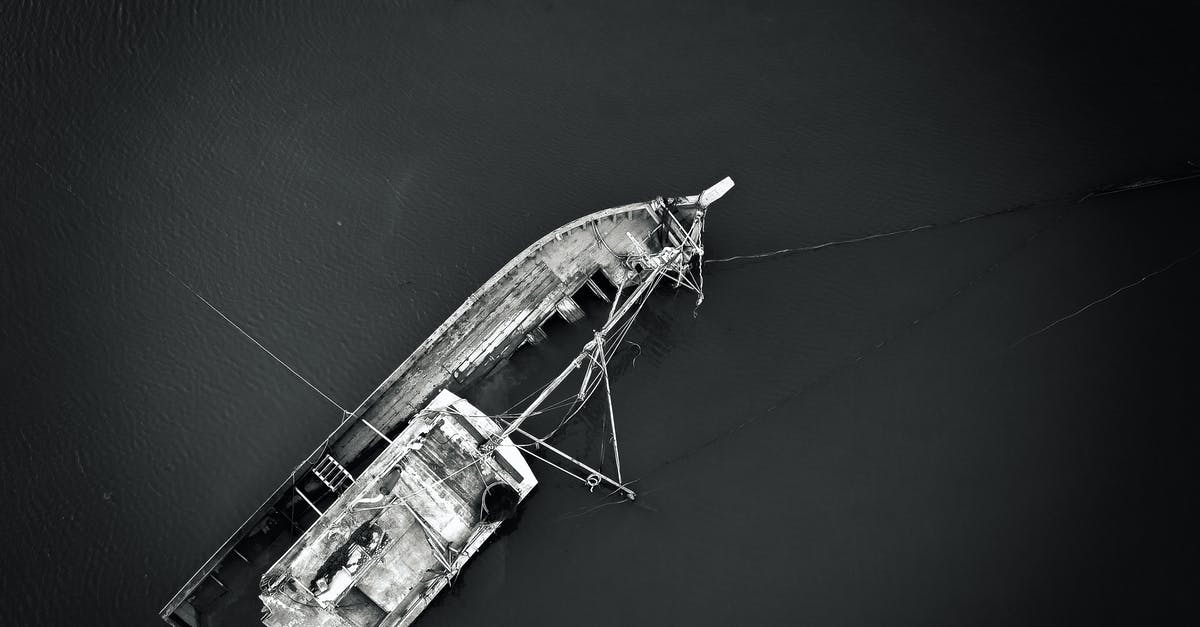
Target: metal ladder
332,474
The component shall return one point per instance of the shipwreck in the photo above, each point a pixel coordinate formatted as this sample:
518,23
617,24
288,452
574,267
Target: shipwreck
388,508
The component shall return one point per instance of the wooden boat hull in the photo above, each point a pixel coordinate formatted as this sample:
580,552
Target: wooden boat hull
506,312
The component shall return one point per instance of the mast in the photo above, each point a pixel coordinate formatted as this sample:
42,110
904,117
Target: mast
642,289
672,258
612,419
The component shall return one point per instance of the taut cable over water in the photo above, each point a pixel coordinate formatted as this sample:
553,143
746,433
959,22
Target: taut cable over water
66,185
266,350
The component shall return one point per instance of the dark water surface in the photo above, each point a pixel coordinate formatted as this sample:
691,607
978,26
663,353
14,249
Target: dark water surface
339,179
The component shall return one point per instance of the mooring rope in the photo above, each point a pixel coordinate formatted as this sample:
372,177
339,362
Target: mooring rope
345,412
1104,298
859,356
799,249
874,236
988,214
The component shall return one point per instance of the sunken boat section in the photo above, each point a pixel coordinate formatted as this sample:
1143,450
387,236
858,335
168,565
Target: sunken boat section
391,505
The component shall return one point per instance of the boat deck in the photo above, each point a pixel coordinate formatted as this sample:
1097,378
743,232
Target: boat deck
495,320
423,495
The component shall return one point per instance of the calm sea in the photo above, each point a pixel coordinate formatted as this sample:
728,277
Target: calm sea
841,437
